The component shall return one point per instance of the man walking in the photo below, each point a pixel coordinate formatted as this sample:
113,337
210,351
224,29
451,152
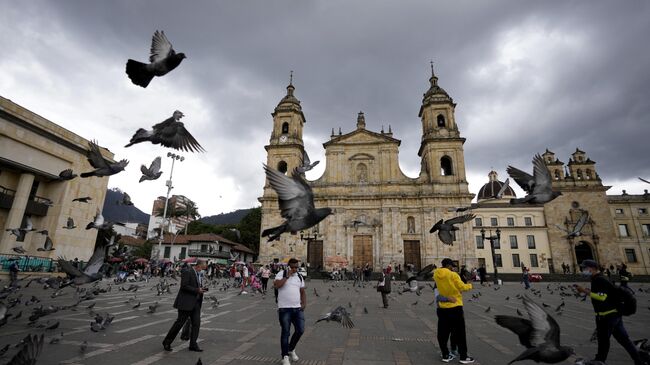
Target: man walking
292,300
188,302
608,321
451,320
482,273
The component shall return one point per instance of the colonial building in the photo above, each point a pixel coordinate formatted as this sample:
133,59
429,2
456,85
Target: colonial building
209,246
33,151
522,228
381,216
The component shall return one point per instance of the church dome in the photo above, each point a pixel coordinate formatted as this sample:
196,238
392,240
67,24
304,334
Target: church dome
489,190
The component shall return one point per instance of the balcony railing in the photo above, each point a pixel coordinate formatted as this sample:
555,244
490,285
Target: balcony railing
6,197
206,253
38,206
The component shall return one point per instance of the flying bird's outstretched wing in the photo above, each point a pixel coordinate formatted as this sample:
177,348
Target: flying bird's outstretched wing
95,158
161,47
460,219
542,176
295,196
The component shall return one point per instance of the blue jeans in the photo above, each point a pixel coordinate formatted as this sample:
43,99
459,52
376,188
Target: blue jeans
287,316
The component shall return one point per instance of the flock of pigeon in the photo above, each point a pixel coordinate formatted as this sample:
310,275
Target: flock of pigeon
540,334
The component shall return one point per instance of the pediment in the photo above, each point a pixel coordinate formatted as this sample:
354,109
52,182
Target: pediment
362,136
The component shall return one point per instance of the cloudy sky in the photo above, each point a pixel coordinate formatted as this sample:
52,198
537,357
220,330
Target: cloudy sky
526,76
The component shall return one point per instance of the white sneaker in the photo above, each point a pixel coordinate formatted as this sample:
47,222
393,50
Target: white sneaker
293,355
285,360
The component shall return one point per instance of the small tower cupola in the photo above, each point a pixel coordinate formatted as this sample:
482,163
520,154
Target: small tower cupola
361,121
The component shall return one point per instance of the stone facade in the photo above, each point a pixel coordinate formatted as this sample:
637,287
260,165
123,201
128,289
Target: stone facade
381,216
33,150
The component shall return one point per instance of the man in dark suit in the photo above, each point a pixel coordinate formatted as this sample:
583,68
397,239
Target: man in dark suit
188,302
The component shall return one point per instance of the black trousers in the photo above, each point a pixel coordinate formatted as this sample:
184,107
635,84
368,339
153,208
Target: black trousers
195,318
612,325
451,322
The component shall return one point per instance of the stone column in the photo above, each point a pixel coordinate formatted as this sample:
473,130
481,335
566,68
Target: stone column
15,217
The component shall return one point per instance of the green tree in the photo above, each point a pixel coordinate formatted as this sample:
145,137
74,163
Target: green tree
144,250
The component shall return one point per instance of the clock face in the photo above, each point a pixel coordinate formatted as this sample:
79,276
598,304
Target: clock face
283,138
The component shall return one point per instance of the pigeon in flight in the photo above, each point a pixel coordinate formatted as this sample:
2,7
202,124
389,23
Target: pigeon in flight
445,228
126,200
90,273
47,246
103,167
170,133
100,223
412,281
70,224
644,180
162,60
306,164
84,199
67,174
296,201
503,189
236,232
151,173
538,186
339,314
234,256
540,334
29,352
458,209
577,228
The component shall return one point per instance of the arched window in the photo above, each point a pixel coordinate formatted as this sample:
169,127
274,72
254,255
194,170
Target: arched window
557,174
362,173
441,120
410,225
285,128
579,174
446,166
588,174
282,167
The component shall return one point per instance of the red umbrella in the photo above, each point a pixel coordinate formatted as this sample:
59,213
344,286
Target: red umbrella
190,260
115,259
141,260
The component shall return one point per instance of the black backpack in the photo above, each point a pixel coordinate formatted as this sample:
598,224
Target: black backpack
625,301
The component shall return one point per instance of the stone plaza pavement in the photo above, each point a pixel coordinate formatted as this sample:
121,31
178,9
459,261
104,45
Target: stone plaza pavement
244,329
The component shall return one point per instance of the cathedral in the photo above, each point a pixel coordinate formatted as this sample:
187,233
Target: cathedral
382,216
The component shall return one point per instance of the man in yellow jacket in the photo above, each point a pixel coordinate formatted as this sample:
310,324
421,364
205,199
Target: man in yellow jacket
451,320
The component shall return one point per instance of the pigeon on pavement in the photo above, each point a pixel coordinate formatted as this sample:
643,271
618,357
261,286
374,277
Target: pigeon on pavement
296,201
445,228
162,58
103,167
540,335
170,133
339,314
151,173
538,186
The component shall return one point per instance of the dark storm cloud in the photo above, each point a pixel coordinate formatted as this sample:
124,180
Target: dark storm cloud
525,76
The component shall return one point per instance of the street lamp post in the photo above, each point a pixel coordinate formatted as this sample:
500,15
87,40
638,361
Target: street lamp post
492,239
169,185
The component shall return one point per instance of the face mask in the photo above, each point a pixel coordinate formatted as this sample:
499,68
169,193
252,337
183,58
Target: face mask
586,272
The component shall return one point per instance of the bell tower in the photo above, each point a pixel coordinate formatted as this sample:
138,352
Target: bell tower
285,148
441,148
